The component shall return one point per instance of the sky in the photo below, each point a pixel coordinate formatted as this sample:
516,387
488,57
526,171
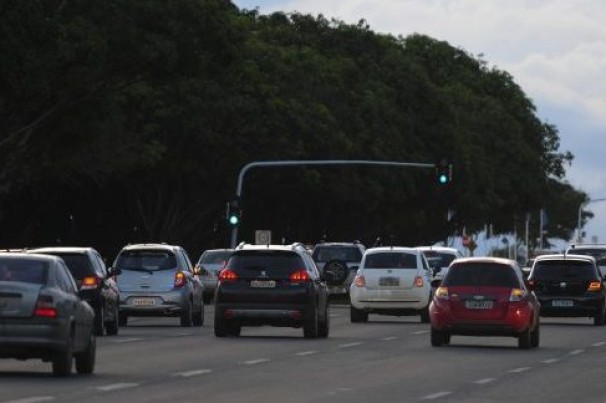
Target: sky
554,49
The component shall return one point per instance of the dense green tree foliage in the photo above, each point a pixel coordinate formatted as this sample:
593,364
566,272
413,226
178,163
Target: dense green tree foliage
129,120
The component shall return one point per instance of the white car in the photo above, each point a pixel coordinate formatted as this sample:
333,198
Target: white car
391,281
439,258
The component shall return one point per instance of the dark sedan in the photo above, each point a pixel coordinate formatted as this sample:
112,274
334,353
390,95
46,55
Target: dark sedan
42,316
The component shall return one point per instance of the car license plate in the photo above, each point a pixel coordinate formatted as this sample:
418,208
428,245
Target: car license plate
263,284
562,303
389,281
478,304
144,301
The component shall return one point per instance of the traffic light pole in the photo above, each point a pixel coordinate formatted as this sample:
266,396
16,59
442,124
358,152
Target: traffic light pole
247,167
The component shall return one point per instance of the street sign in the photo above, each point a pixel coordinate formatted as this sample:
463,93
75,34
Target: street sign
262,237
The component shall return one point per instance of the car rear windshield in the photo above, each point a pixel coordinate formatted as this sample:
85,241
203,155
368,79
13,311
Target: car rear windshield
390,260
481,274
598,254
23,270
559,269
344,253
146,260
274,261
438,259
78,264
215,257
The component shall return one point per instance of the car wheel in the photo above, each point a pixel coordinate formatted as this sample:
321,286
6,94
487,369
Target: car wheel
310,326
234,330
198,319
122,319
425,315
85,361
339,271
524,339
187,315
63,360
100,319
220,327
439,338
207,298
598,320
324,325
112,327
535,336
357,315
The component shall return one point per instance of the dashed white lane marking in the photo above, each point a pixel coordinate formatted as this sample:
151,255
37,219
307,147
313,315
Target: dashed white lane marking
127,340
390,338
257,361
551,361
420,332
335,315
350,345
518,370
194,372
437,395
33,399
599,344
116,386
576,352
304,353
485,381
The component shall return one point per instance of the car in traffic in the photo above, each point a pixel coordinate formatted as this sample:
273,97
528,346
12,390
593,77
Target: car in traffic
569,286
159,280
341,260
483,296
42,315
96,283
598,251
276,285
210,264
391,281
439,258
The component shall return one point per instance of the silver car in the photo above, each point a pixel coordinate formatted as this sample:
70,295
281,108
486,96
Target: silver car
211,262
159,280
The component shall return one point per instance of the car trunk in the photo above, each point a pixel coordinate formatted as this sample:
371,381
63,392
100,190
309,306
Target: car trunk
389,279
479,303
17,299
140,280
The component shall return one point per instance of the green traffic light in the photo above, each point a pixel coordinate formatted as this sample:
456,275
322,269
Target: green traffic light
443,179
233,219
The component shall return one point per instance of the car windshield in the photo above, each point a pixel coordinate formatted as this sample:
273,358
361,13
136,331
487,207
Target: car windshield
481,274
23,270
146,260
215,257
78,264
390,260
344,253
559,269
266,260
598,254
438,259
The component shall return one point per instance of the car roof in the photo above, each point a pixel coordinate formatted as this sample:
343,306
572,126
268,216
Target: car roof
150,246
61,249
438,249
339,244
27,255
567,256
485,259
218,250
380,249
267,247
588,246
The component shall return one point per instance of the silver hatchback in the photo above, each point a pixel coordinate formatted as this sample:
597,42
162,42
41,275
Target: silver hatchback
159,280
211,262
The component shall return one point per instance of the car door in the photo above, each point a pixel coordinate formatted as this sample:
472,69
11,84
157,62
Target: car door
73,306
196,284
319,283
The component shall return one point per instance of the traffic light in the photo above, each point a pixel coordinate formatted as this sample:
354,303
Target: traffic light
444,172
233,213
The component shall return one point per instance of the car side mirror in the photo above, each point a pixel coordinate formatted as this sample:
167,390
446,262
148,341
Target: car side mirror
530,284
114,271
197,270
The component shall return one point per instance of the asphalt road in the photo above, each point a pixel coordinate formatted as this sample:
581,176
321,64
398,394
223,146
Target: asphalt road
386,360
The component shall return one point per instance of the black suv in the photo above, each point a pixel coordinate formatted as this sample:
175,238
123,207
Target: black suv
341,260
96,283
569,286
271,285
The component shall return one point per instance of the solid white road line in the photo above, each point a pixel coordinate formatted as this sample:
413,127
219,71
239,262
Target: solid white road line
304,353
194,372
420,332
127,340
116,386
599,344
33,399
350,345
518,370
576,352
390,338
551,361
257,361
485,381
437,395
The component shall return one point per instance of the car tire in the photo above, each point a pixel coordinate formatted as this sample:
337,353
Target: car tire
100,319
535,336
357,315
234,330
111,328
524,340
324,325
439,338
187,315
220,327
207,298
85,361
122,319
339,271
425,315
198,319
310,326
599,319
63,360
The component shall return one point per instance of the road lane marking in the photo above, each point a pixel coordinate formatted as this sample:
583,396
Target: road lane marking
485,381
304,353
518,370
437,395
599,344
390,338
350,345
576,352
257,361
127,340
116,386
335,315
33,399
551,361
194,372
420,332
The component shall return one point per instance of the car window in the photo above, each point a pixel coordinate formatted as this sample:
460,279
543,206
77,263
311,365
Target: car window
100,264
344,253
561,269
215,257
481,274
78,264
24,270
186,260
390,260
65,279
147,259
281,261
598,254
439,259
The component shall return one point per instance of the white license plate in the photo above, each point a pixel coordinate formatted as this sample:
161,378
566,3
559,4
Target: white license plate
263,284
144,301
562,303
478,304
389,281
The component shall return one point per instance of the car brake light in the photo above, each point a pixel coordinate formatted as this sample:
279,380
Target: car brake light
89,283
228,275
360,281
594,285
180,279
442,293
45,307
418,281
517,294
299,276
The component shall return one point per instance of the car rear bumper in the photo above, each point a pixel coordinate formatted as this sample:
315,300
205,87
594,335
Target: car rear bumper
170,303
582,306
376,300
31,338
264,314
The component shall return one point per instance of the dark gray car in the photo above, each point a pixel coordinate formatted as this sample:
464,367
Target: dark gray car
211,262
42,316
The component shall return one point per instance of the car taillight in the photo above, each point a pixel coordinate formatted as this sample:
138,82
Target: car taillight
45,307
418,281
90,283
228,275
516,295
299,276
180,279
442,293
594,285
360,281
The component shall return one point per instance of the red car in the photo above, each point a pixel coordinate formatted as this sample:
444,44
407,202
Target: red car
484,297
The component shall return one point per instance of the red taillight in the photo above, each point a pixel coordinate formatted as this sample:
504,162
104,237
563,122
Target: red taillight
228,275
594,286
90,283
180,279
418,281
299,276
360,281
45,308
